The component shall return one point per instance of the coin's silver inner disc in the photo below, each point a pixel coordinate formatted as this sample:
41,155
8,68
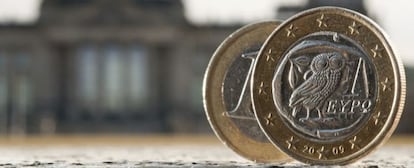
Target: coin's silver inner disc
237,96
324,88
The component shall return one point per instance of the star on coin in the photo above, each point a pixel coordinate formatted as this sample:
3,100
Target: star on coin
376,51
354,142
322,153
322,21
353,28
269,55
292,143
270,119
386,84
262,89
379,119
291,31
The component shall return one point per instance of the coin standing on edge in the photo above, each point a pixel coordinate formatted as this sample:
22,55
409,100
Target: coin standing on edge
227,98
327,86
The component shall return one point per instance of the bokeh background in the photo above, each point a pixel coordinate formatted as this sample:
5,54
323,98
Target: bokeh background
136,66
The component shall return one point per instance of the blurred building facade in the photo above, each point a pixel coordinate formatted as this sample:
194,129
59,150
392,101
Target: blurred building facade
108,66
105,66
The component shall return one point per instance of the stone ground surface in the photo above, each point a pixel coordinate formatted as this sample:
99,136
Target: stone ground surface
162,152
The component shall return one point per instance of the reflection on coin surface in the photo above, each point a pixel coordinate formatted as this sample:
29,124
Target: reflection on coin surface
327,87
227,97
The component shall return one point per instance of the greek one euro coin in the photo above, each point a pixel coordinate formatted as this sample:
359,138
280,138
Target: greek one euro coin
227,98
328,87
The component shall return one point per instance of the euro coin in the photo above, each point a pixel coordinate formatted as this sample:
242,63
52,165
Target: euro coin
327,86
227,98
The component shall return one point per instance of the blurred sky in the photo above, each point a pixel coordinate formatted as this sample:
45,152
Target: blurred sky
395,16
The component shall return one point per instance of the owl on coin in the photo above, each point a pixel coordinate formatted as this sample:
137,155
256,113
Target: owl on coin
326,70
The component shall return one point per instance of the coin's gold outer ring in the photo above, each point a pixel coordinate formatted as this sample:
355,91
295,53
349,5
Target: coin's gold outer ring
223,126
389,102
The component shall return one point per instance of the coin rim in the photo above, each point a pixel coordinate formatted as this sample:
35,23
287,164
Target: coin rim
209,105
397,100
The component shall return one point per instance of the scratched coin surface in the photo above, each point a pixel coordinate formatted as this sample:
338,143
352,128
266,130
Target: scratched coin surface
227,98
327,86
